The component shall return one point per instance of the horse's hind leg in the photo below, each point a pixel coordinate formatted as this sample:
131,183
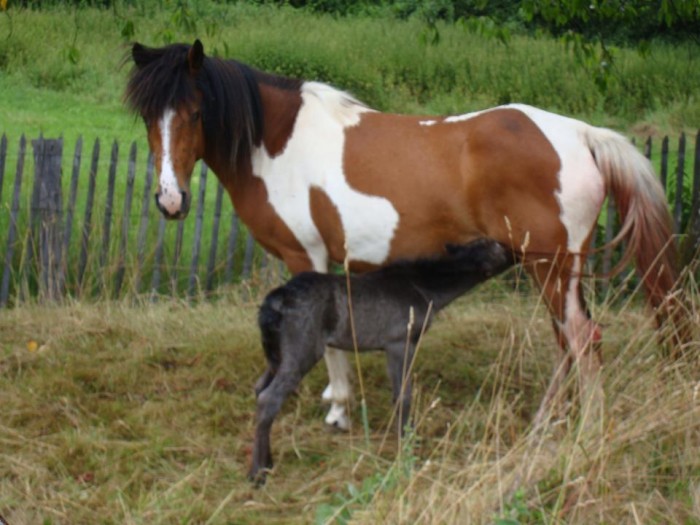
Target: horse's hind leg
578,336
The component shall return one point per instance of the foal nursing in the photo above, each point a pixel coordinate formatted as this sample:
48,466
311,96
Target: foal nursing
298,320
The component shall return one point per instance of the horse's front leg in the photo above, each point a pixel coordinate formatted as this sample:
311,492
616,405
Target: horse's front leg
338,390
399,359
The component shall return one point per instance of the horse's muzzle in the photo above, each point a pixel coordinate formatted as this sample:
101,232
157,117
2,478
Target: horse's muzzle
179,214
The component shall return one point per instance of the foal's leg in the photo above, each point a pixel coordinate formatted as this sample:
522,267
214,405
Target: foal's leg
270,400
578,336
269,404
398,360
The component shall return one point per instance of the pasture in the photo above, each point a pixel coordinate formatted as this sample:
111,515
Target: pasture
143,413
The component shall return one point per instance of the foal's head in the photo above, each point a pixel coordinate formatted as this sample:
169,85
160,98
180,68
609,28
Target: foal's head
194,107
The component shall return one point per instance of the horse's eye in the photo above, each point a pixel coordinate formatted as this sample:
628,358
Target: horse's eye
195,116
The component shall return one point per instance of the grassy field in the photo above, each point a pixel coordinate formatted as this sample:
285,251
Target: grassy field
134,412
143,414
62,68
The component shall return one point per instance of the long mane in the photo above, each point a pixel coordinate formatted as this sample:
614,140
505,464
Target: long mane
232,110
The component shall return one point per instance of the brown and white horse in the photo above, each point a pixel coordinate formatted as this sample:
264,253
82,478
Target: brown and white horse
317,177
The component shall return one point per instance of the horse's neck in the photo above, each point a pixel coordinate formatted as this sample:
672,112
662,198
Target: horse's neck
247,192
280,109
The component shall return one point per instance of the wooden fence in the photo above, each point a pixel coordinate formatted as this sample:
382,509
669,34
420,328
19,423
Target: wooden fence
96,242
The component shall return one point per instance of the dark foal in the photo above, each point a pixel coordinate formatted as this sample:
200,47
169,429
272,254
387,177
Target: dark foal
298,320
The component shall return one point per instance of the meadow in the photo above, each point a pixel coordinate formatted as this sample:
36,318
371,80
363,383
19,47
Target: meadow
141,412
63,71
133,414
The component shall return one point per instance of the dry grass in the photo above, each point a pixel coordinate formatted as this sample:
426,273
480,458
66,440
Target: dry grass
134,414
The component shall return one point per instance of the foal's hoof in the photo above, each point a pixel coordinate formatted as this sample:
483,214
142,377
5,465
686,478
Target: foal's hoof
337,418
258,478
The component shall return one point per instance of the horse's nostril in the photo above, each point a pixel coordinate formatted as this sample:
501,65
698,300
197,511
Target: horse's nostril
159,205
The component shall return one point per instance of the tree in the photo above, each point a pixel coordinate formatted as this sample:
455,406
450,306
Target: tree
588,26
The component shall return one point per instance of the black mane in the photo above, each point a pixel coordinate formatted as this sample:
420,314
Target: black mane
232,111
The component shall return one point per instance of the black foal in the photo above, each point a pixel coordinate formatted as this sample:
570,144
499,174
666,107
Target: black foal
298,320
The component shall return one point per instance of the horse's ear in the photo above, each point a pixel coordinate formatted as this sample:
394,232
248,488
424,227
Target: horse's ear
141,55
195,57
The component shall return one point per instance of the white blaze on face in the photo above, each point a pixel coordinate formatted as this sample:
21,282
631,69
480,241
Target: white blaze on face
170,196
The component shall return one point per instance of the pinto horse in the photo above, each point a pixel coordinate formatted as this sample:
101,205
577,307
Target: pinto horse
317,177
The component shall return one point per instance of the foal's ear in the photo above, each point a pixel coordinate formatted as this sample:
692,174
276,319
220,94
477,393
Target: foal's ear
141,54
195,57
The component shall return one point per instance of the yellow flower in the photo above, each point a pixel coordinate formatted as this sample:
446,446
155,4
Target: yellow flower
32,345
3,4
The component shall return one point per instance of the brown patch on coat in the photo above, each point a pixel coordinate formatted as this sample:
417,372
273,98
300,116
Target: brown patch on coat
458,181
327,220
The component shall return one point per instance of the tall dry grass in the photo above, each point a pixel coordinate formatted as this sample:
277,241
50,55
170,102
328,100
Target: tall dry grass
117,412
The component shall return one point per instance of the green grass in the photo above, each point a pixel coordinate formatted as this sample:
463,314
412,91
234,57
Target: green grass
143,413
62,68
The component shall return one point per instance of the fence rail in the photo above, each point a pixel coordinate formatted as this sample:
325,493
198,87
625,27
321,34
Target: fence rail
106,238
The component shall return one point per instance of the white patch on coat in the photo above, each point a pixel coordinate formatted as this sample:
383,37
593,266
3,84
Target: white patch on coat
427,122
313,158
170,196
582,187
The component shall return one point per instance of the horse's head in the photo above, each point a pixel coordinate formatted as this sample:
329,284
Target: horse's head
163,90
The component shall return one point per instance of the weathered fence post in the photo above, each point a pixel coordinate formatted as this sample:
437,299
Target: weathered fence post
691,245
12,232
214,238
87,221
3,156
107,219
70,210
192,282
47,213
124,235
678,205
663,175
143,223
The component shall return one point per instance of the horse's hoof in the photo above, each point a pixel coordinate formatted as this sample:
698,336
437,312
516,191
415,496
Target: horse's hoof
337,418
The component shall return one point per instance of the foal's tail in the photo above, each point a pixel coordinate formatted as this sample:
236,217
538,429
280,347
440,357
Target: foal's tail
269,320
646,221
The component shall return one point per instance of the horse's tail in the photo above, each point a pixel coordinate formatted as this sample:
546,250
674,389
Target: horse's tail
646,221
